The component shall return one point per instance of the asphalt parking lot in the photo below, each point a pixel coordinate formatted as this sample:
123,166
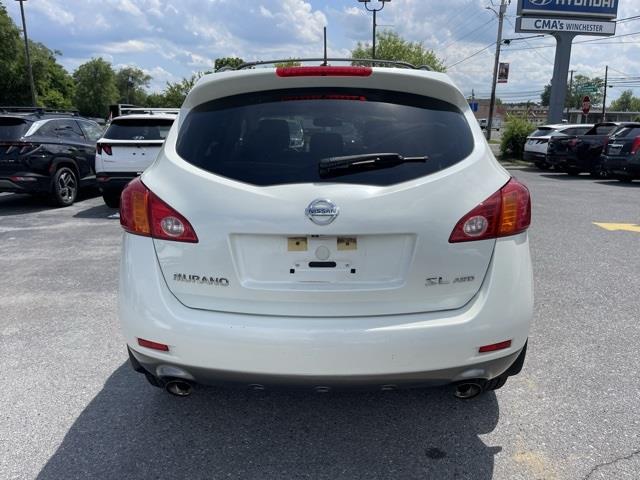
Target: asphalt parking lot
72,407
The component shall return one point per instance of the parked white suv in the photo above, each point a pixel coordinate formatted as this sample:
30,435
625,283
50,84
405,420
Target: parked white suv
129,145
537,144
388,249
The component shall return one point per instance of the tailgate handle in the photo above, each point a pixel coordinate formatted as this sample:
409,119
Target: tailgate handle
322,264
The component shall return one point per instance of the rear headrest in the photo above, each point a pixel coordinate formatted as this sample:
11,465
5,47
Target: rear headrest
326,144
271,135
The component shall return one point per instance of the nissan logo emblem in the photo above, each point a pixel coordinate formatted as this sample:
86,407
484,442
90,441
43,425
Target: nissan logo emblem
322,211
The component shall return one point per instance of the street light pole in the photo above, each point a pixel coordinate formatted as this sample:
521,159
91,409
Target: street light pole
492,104
604,102
375,11
28,57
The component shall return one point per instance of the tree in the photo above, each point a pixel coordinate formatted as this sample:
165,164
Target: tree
132,83
54,85
95,87
627,102
288,63
176,92
391,46
233,62
576,93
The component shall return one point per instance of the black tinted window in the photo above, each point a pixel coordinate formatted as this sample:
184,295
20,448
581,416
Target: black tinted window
91,130
278,137
69,129
627,132
139,129
12,128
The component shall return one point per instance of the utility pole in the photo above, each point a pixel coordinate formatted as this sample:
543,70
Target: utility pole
28,57
604,102
375,11
492,104
570,94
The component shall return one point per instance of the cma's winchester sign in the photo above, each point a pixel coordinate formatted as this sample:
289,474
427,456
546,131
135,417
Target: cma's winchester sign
570,8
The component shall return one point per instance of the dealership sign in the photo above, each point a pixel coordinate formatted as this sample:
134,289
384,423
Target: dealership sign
570,8
559,24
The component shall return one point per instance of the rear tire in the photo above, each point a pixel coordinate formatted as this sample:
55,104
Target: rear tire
65,187
112,200
572,172
624,179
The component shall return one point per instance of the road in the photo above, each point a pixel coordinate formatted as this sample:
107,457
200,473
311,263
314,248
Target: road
73,409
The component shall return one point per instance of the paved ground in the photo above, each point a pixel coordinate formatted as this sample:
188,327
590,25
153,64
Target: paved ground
71,407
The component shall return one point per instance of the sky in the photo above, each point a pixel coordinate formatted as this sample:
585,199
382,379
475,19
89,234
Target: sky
171,39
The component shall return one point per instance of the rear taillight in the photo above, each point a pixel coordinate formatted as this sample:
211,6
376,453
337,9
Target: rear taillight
506,212
142,212
573,142
635,146
103,147
324,71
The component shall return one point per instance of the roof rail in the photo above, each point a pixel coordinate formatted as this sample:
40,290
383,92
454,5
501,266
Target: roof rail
39,110
357,61
148,111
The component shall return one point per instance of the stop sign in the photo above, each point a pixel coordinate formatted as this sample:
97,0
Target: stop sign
586,104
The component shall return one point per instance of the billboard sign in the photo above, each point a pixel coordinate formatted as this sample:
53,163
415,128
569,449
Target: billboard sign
560,24
605,9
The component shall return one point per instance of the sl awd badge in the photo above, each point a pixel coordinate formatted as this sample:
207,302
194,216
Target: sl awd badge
322,211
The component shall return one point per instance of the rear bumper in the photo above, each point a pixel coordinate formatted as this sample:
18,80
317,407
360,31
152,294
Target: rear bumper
433,348
25,183
623,166
114,182
208,376
534,157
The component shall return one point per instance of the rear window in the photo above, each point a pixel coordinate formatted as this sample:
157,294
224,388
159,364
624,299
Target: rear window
542,132
279,137
626,132
139,129
13,128
602,130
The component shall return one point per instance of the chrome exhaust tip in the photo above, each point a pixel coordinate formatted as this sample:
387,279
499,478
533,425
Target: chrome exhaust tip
179,388
468,390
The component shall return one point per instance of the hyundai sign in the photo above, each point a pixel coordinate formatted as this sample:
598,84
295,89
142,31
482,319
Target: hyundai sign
604,9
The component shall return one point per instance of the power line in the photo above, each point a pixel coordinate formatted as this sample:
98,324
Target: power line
472,55
491,20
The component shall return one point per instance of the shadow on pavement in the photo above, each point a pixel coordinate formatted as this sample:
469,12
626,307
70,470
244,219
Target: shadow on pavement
618,183
99,211
20,204
132,430
564,176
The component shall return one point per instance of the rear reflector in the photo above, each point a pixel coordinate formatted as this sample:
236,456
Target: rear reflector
153,345
506,212
22,179
142,212
324,71
495,346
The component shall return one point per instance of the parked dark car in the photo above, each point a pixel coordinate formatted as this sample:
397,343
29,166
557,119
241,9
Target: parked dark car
47,153
575,155
621,156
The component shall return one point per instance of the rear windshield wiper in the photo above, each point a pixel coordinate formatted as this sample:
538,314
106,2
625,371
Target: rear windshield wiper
337,166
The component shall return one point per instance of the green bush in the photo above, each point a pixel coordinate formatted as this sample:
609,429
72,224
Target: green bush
514,137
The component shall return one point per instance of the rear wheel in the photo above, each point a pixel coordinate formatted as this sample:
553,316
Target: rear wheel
573,172
111,199
624,179
65,187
